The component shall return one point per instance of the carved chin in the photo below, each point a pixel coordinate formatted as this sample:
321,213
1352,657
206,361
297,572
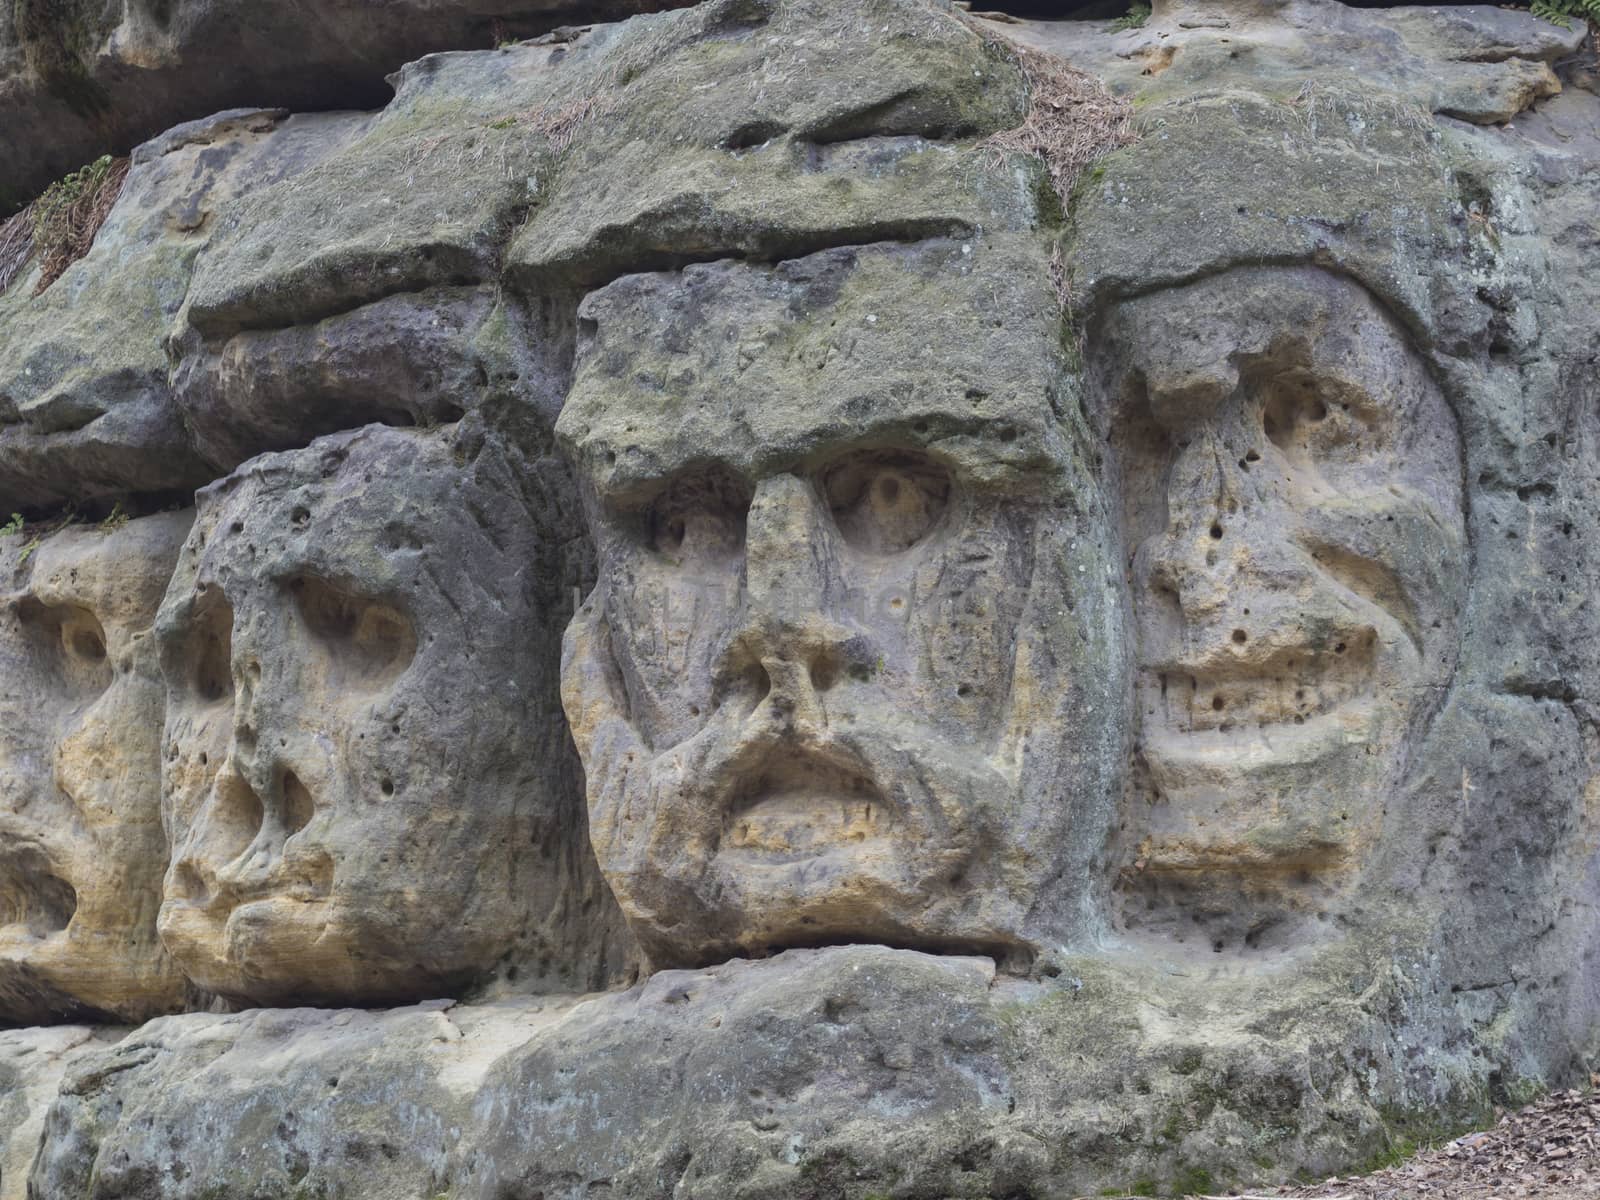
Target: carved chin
230,948
738,846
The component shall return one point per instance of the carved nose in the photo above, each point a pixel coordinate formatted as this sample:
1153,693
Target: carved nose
1194,558
792,646
212,857
788,551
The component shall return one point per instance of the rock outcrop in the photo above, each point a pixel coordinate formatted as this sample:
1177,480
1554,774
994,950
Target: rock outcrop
838,599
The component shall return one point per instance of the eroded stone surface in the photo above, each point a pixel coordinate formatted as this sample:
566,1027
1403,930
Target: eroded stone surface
32,1064
1293,506
81,845
851,584
83,78
369,789
804,326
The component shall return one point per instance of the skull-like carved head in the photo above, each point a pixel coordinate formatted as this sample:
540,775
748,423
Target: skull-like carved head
366,774
81,844
1298,572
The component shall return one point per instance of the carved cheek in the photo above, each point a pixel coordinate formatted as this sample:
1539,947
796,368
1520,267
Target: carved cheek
667,630
964,606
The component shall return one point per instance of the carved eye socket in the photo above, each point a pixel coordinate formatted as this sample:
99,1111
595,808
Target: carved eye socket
201,655
1302,421
886,502
700,518
370,642
73,638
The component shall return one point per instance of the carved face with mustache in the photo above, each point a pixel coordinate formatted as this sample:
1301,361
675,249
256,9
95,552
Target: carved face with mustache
1297,571
820,688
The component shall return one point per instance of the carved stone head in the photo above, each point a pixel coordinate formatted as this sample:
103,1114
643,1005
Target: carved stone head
81,844
363,757
852,582
1293,507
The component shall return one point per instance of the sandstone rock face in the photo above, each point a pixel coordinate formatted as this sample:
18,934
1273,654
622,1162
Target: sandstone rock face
83,77
1078,673
83,847
369,793
850,588
1297,585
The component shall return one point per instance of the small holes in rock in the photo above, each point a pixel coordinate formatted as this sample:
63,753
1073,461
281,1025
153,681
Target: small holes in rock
386,786
1218,703
1340,648
301,516
237,527
1216,532
204,758
1252,457
964,690
1240,637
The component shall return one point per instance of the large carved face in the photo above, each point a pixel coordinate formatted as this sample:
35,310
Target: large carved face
360,761
819,687
1292,481
81,845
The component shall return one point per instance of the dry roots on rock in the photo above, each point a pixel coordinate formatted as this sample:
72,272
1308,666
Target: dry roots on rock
60,226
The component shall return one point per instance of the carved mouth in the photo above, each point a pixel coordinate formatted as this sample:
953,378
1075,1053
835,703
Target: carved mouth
1290,685
802,806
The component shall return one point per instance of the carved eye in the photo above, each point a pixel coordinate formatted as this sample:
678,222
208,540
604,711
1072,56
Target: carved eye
1303,418
369,641
886,502
700,518
73,638
201,656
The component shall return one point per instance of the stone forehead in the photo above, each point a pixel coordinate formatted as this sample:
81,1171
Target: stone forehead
1354,181
953,345
1304,314
380,506
119,573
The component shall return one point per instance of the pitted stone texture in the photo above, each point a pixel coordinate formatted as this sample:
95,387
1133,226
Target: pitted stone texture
32,1063
846,1072
1293,504
370,790
851,588
82,849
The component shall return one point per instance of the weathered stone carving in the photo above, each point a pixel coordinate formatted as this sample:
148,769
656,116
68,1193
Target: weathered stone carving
81,845
853,581
803,315
1293,505
365,772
